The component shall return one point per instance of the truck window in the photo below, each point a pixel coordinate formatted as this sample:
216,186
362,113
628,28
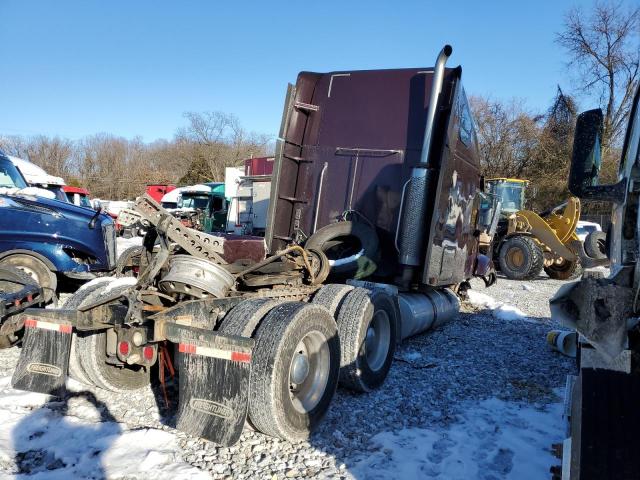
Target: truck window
466,131
10,176
217,204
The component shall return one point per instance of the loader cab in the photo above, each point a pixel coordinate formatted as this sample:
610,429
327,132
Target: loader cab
510,192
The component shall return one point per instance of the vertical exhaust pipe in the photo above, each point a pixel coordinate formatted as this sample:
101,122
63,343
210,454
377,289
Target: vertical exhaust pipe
414,212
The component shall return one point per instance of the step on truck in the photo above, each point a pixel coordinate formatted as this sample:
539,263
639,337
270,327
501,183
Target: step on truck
371,228
602,400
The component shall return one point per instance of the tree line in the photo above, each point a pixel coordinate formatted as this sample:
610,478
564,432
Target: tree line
603,58
116,168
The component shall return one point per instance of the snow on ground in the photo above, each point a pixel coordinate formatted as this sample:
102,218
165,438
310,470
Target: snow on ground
476,398
123,243
498,309
44,438
491,439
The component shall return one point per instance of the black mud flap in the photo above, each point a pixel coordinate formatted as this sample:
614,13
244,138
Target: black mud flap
44,360
214,383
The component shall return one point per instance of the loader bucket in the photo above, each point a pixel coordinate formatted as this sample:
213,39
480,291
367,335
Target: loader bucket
214,375
44,360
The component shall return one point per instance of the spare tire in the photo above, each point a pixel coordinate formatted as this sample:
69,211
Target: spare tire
352,248
595,245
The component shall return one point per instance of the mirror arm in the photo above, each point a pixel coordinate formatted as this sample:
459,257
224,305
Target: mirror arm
615,193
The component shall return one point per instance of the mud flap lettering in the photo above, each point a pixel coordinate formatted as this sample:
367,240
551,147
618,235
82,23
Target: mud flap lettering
44,359
214,384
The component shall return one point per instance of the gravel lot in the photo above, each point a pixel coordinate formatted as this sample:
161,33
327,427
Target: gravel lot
435,379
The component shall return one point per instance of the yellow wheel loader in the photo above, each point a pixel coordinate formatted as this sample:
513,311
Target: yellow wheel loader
525,242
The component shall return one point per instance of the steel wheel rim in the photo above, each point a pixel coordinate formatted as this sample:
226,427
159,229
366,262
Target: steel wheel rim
377,339
309,371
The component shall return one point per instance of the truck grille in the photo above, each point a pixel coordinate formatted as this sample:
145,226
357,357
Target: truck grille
109,233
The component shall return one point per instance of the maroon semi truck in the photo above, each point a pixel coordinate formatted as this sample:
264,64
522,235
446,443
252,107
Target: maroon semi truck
372,229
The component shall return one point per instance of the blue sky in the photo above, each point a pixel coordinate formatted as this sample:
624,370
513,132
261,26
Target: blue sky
131,68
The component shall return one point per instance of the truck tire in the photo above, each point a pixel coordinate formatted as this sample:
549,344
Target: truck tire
595,245
7,341
564,270
295,368
244,318
37,270
520,258
367,330
76,371
91,351
122,267
331,296
347,240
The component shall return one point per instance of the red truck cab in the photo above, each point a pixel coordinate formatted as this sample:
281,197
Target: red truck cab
78,196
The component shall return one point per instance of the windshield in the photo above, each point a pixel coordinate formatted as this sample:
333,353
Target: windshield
194,201
510,194
10,177
586,229
85,202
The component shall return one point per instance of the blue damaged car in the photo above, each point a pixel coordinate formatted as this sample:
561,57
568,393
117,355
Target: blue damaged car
49,239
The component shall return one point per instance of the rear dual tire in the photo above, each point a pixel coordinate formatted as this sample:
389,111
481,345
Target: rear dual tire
295,364
367,327
87,360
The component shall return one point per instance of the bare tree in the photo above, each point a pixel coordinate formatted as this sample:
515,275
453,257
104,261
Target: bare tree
507,136
604,47
213,141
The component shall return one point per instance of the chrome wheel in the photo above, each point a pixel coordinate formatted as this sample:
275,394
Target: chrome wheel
309,371
376,344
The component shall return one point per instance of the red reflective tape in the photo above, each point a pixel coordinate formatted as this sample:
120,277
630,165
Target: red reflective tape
54,327
31,323
186,348
65,328
241,357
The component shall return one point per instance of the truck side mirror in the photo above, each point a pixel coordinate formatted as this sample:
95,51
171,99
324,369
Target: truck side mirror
586,161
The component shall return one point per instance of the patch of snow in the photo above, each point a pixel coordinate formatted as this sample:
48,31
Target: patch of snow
121,282
123,243
498,309
96,281
492,439
77,438
411,356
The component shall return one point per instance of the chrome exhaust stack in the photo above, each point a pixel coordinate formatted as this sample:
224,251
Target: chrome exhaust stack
414,198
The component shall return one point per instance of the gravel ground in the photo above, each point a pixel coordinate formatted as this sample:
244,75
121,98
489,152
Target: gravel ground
478,356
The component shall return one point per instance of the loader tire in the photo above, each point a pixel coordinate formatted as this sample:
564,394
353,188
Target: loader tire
91,351
295,368
520,258
564,270
595,245
123,269
76,371
348,240
367,330
21,278
37,270
331,296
